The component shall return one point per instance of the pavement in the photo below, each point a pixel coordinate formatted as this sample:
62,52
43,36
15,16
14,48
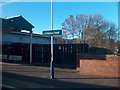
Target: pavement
26,76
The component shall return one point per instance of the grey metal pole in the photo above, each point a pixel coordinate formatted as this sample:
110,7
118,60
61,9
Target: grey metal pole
30,47
51,62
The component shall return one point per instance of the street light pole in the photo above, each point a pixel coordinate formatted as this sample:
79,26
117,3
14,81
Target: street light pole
51,62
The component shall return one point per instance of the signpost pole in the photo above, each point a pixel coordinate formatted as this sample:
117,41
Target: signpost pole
51,62
30,47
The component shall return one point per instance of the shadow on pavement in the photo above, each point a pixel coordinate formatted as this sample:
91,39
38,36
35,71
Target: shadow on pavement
54,83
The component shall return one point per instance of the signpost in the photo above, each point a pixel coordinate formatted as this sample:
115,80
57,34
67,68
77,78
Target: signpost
52,33
51,62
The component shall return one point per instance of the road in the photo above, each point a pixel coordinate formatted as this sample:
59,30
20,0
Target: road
22,76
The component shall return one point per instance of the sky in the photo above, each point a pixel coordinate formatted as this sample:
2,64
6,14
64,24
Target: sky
38,13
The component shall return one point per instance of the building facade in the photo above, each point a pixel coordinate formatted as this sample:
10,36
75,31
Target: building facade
11,30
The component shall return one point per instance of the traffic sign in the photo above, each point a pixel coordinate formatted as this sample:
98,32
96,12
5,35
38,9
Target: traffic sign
52,32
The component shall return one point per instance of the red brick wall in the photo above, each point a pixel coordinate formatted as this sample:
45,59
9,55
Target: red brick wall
102,67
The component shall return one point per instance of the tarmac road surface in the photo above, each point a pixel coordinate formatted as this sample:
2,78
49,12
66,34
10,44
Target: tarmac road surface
21,76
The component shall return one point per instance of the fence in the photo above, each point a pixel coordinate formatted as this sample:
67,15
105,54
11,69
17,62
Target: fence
63,54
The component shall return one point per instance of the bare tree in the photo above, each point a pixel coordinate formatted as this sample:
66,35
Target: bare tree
81,25
111,36
94,32
92,29
69,28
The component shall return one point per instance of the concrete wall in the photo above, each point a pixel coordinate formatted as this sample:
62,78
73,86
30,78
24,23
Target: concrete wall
102,67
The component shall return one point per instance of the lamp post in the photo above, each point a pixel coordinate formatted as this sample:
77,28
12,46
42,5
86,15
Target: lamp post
51,62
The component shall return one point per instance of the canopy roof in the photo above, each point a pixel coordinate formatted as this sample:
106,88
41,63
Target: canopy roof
16,23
